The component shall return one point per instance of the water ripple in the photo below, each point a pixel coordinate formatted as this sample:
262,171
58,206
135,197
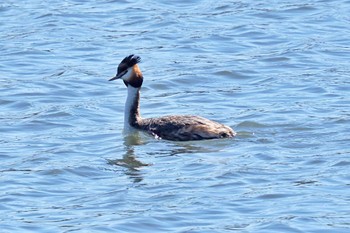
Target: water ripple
277,72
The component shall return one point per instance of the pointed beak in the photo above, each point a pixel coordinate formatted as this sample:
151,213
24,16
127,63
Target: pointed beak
116,77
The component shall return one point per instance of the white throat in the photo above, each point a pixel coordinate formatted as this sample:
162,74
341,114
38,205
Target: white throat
130,101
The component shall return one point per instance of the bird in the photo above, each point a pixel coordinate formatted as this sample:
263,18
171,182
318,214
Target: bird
170,127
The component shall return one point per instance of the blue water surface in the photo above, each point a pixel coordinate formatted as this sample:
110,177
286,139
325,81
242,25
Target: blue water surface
275,71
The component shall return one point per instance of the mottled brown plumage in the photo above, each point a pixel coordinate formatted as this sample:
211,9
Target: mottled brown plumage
176,127
185,128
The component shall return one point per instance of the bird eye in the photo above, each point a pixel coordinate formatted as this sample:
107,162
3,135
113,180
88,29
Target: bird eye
122,68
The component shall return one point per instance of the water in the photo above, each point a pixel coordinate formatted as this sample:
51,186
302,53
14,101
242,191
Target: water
277,72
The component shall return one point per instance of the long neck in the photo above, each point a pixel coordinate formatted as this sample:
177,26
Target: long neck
132,116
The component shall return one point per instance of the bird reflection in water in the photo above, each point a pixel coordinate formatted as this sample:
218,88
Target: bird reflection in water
129,160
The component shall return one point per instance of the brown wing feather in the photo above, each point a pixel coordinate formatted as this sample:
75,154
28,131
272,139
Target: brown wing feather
185,128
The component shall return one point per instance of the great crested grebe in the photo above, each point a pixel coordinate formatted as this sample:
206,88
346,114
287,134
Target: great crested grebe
176,127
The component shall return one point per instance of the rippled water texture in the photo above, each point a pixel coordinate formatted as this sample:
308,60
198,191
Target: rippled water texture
275,71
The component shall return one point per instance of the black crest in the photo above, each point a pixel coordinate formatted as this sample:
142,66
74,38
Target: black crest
131,60
128,62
